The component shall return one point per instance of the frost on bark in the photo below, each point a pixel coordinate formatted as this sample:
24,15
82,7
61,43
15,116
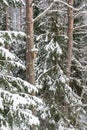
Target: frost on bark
70,38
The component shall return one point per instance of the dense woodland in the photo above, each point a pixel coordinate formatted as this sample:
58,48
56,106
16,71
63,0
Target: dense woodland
43,65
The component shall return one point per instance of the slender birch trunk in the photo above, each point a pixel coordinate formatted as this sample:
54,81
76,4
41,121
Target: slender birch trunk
30,74
70,39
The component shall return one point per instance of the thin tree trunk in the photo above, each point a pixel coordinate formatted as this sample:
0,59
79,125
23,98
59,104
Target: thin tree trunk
70,39
30,74
7,19
21,18
7,29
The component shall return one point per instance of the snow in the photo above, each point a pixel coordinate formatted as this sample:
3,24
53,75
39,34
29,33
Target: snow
9,56
16,99
5,2
54,46
1,40
52,88
20,104
1,103
6,53
34,50
22,83
62,79
10,33
44,115
63,126
18,64
4,127
14,1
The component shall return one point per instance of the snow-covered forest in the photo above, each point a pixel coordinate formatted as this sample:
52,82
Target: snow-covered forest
43,65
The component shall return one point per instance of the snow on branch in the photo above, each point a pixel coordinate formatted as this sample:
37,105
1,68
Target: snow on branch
11,58
19,104
6,53
51,5
23,83
80,13
43,13
68,5
13,2
79,27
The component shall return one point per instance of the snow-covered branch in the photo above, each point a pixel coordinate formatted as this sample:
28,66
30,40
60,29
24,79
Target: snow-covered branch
80,13
47,71
43,13
79,27
51,5
68,5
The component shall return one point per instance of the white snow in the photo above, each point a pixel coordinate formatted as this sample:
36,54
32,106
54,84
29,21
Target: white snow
19,100
54,46
5,2
1,103
6,53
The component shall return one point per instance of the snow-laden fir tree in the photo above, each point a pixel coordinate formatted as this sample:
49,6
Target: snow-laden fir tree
16,98
61,102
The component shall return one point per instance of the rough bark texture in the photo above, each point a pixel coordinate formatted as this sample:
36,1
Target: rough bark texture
30,75
30,44
70,38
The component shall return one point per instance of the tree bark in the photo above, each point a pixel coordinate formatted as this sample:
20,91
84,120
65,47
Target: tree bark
70,39
30,74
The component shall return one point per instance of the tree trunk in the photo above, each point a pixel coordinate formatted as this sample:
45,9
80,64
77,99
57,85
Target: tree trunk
7,29
7,19
21,17
30,74
70,39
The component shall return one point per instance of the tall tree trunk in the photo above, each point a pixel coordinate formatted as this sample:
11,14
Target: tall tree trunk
30,74
70,39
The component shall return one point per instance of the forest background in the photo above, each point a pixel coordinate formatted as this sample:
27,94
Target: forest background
43,65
